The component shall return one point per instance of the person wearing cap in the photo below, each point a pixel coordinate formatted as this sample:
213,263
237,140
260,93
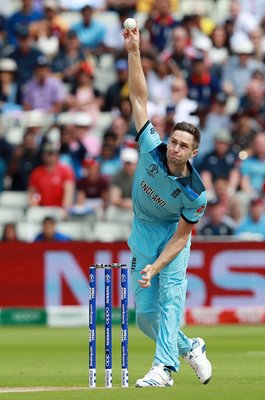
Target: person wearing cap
25,55
122,181
240,67
24,17
222,162
118,89
168,198
52,183
8,86
90,32
44,91
253,225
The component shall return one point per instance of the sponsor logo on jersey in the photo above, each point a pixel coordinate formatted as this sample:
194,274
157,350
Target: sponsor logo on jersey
200,210
176,193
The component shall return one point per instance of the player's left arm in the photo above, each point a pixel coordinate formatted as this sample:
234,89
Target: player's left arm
172,249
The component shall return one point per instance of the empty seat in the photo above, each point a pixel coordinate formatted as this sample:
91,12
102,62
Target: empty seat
74,229
37,214
27,231
10,215
14,199
117,214
109,231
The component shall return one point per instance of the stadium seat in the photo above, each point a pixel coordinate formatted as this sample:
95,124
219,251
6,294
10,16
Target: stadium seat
10,215
116,214
14,199
74,229
27,231
37,214
109,231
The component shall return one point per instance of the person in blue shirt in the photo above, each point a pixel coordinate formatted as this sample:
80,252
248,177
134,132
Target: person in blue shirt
49,233
90,32
168,199
25,16
253,225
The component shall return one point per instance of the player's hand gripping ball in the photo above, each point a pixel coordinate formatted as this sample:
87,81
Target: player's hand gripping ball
130,23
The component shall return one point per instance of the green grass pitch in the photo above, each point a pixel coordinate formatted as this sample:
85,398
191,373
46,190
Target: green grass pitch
44,357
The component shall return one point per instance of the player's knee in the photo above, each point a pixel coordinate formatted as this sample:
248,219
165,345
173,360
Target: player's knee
148,323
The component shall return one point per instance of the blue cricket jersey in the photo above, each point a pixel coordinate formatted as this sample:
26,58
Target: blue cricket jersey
157,196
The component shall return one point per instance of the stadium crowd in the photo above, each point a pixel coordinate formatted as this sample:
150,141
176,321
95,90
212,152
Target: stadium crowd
67,135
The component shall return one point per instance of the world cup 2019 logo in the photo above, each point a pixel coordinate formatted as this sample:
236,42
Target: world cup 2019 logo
152,170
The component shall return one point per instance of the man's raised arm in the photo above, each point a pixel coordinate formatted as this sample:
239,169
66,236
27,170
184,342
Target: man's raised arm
137,81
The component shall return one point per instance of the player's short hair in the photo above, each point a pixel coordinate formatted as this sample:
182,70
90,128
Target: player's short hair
190,128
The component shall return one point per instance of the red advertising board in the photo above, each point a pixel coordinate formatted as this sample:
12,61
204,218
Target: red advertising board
36,275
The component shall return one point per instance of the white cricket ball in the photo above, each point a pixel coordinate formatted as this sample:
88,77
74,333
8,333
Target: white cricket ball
130,23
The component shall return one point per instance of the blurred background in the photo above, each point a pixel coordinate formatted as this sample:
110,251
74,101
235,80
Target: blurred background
68,155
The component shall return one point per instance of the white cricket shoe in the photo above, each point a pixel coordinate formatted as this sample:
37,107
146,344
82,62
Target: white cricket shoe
198,361
158,376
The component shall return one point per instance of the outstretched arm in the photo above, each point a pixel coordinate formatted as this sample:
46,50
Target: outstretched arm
172,249
137,81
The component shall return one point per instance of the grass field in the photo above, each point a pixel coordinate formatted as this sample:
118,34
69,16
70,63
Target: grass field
44,357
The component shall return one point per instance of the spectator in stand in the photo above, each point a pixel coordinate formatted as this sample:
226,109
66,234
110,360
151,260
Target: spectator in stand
253,225
159,84
83,124
218,54
253,101
257,38
90,32
240,68
5,156
120,127
220,163
119,6
72,150
25,56
231,202
121,184
113,40
203,85
9,234
125,110
51,184
25,16
253,167
161,24
67,62
3,36
118,89
244,128
25,158
175,54
49,233
51,22
181,104
84,97
108,160
94,185
44,91
8,86
216,222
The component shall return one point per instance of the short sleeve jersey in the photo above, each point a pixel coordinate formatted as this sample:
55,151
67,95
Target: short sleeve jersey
159,197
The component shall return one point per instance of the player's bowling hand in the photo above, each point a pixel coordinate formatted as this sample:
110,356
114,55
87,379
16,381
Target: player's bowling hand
147,275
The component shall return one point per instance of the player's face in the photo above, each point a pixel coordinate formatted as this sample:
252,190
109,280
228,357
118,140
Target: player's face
180,148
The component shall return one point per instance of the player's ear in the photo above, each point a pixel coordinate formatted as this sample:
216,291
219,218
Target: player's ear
194,153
